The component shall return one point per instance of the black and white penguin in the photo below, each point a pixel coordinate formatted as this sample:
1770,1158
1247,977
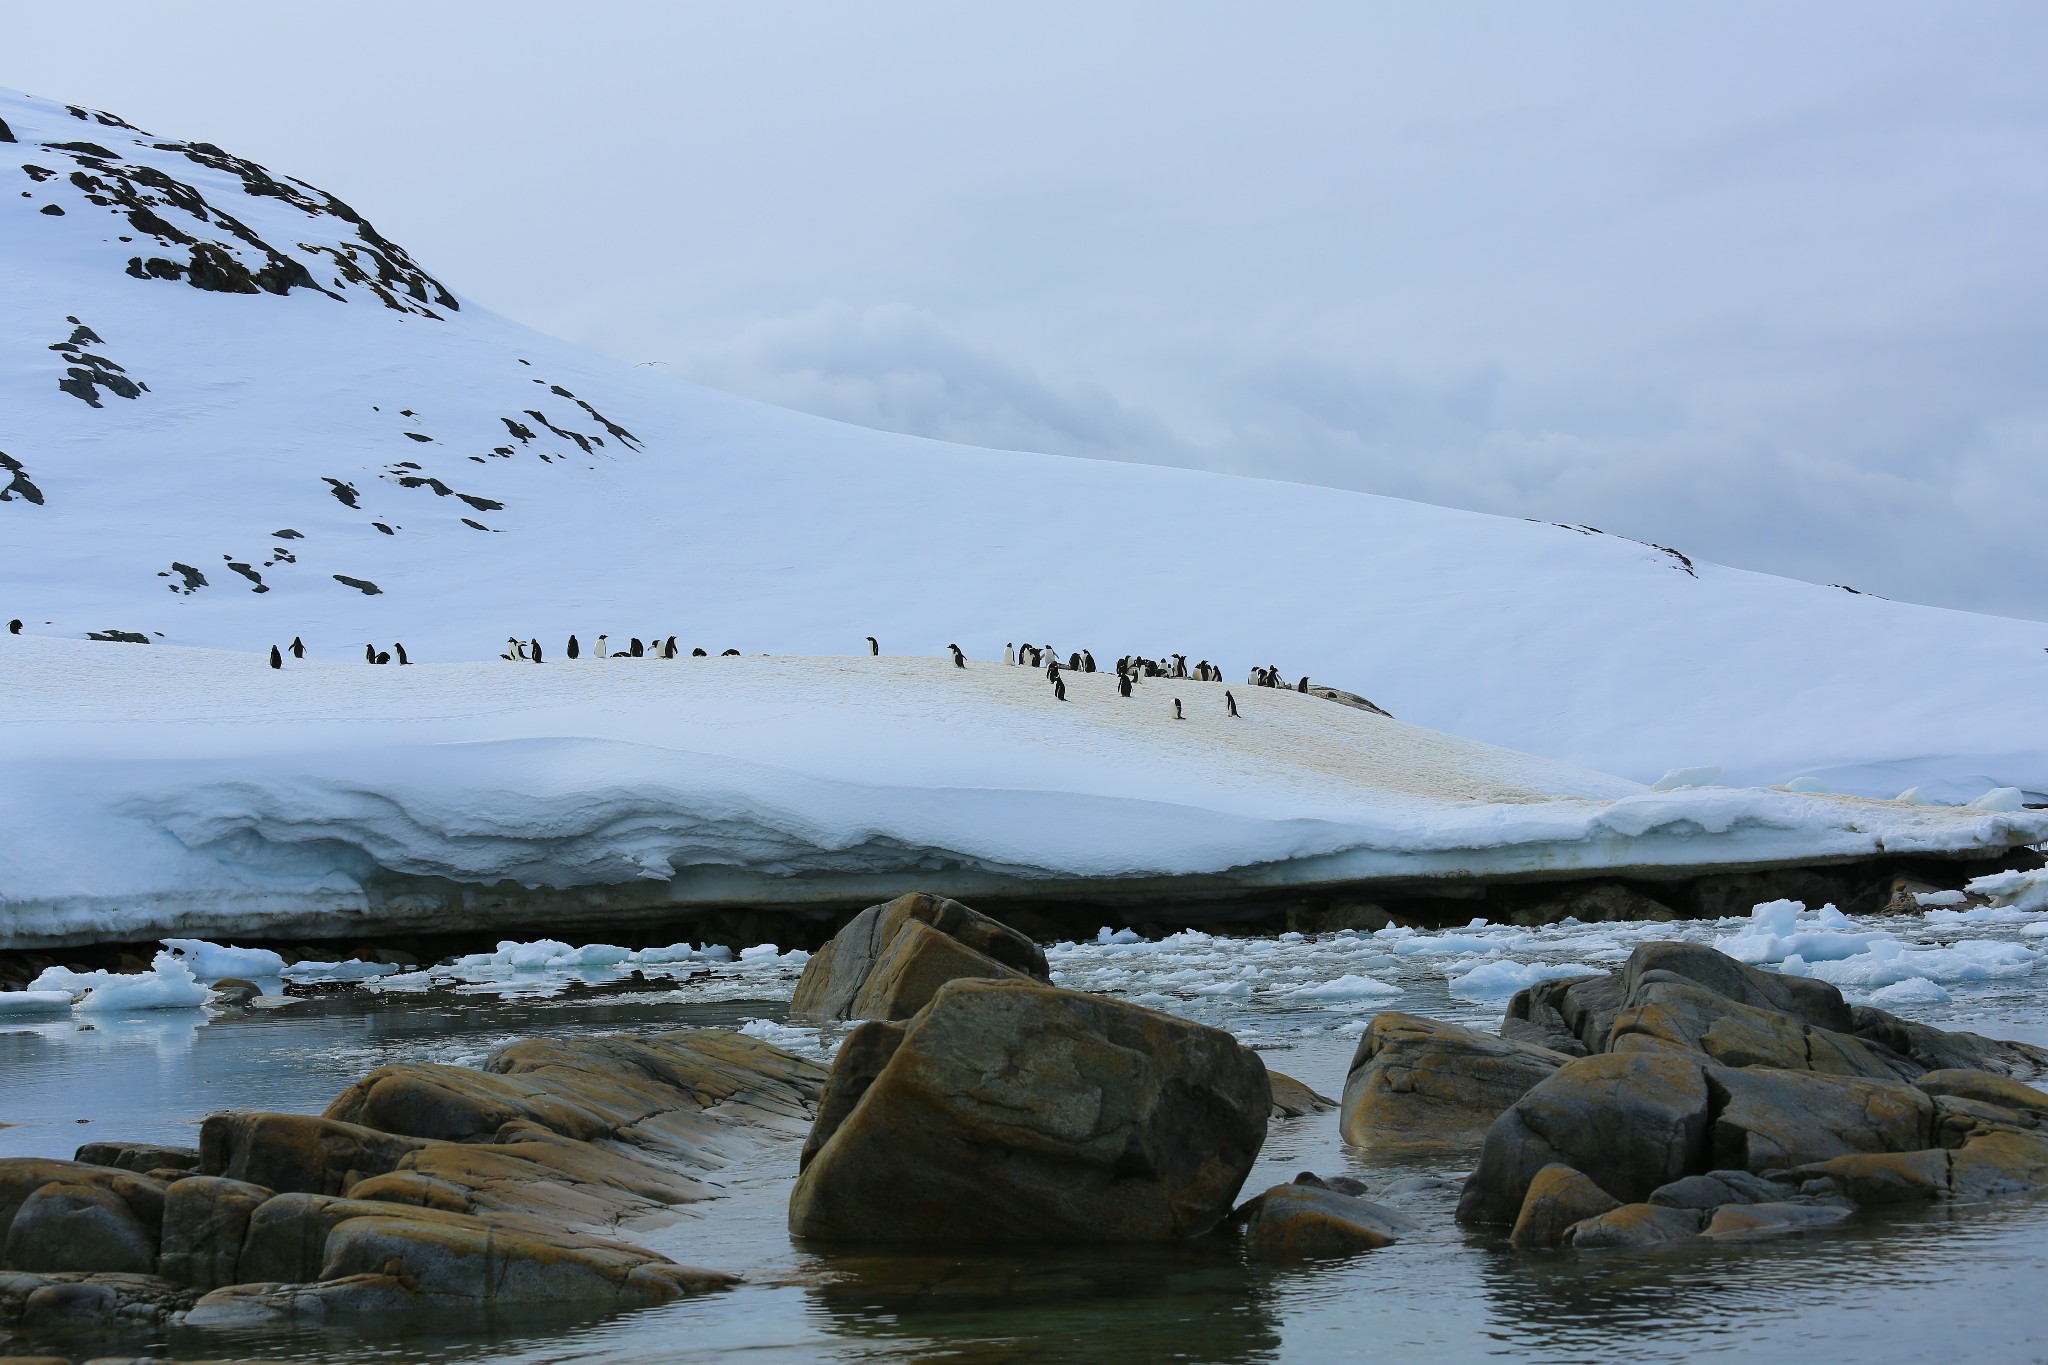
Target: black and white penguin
383,656
636,649
1230,703
1123,684
575,650
1304,685
14,626
1009,654
730,654
603,648
1176,710
1052,671
276,657
874,646
1059,689
1087,661
298,648
370,653
1074,662
668,649
403,660
959,659
535,646
699,654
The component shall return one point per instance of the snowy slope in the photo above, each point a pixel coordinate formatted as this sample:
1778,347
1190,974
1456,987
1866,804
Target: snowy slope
174,790
363,456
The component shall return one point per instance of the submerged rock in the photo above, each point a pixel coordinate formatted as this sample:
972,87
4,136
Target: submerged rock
1302,1222
1417,1085
1292,1099
1012,1112
890,959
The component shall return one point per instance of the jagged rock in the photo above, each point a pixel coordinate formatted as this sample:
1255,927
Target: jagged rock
1985,1087
889,959
1578,1008
1940,1050
1815,1002
206,1219
65,1226
1716,1188
1635,1225
1774,1219
1292,1099
296,1153
1302,1222
1639,1119
140,1157
1775,1120
1559,1197
1418,1085
1006,1112
1665,1008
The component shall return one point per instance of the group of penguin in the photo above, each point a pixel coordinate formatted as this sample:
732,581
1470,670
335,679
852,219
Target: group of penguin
530,651
1128,670
371,654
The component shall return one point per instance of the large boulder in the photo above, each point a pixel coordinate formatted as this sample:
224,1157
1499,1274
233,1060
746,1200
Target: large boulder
1636,1120
1669,1010
1934,1049
1419,1086
206,1219
1558,1198
1767,1120
890,959
64,1226
1814,1002
1014,1112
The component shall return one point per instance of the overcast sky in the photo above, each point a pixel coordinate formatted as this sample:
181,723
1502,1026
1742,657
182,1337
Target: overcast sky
1766,282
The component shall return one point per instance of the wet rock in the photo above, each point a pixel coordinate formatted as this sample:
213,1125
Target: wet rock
890,959
1635,1225
1669,1009
381,1298
297,1152
1940,1050
140,1157
1814,1002
1638,1119
1578,1008
1716,1188
1559,1197
1999,1165
1008,1112
69,1302
64,1226
485,1264
1303,1222
22,1177
1775,1120
77,1307
1986,1088
206,1220
1418,1085
1738,1221
233,992
1292,1099
1957,1120
1876,1179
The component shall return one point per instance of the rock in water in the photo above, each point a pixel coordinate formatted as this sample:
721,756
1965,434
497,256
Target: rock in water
1558,1197
1302,1222
1417,1085
1013,1112
889,959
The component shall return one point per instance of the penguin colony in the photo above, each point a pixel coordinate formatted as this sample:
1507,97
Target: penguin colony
1129,669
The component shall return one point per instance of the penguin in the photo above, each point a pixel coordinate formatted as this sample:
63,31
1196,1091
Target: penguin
668,650
370,654
874,647
298,648
1009,654
1229,703
1304,685
636,649
1123,684
1074,662
730,654
1087,661
383,656
1176,710
276,658
1059,689
959,659
1180,666
536,651
575,650
14,626
403,660
1052,670
699,654
603,648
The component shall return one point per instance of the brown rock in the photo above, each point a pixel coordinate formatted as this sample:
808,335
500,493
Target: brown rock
1417,1085
1939,1050
1635,1225
64,1226
1998,1165
1292,1099
206,1219
1305,1222
1741,1221
296,1153
1774,1120
1671,1009
890,959
1716,1188
1985,1087
384,1299
140,1157
1018,1113
1814,1002
1876,1179
448,1260
1558,1198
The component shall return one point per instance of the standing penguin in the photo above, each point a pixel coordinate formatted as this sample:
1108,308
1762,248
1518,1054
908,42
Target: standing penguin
298,648
668,650
14,626
1123,684
1230,703
1074,662
276,658
1059,689
403,660
370,654
1176,710
1087,661
1009,654
536,651
603,648
1304,684
959,659
575,650
874,647
636,649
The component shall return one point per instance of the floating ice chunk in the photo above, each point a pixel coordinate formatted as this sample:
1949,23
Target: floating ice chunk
1981,914
168,985
212,961
2021,890
1104,935
1682,779
788,1037
1927,899
1446,945
1812,786
2000,799
1777,932
678,952
35,1002
1347,987
1505,976
355,969
1889,962
1914,990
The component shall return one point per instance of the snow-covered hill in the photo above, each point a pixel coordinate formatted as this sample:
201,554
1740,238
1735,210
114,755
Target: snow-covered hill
231,412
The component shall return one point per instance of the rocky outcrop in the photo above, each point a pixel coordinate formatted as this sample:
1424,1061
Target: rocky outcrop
1418,1086
890,960
1014,1112
1292,1098
424,1188
1558,1199
1304,1221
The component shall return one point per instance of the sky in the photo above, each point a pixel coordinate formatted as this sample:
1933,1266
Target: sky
1766,282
